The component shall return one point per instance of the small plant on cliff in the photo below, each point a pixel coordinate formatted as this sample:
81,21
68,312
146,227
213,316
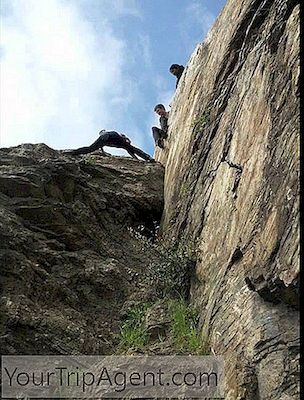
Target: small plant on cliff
171,275
183,334
200,122
133,335
171,271
186,337
185,189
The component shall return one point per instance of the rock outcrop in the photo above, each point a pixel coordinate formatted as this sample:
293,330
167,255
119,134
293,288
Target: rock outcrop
69,261
231,189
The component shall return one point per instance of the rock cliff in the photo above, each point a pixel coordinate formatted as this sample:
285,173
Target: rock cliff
69,262
231,189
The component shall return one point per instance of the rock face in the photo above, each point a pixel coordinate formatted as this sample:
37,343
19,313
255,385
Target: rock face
68,259
231,188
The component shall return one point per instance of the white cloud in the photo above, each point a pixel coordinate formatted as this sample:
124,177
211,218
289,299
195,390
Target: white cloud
59,78
145,46
127,7
202,15
197,17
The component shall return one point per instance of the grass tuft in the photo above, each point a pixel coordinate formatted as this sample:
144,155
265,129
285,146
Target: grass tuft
133,335
186,337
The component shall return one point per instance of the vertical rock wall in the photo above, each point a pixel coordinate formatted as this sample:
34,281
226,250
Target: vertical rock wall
231,190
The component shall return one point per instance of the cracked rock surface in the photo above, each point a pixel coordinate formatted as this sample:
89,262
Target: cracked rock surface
68,262
231,187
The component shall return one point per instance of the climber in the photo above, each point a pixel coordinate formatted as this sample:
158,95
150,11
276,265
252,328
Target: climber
177,70
112,139
159,134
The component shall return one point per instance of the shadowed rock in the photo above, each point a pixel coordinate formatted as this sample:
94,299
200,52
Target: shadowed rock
68,260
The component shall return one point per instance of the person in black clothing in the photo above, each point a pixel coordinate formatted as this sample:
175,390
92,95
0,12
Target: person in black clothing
177,70
159,134
112,139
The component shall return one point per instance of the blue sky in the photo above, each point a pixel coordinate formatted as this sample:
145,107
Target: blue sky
72,67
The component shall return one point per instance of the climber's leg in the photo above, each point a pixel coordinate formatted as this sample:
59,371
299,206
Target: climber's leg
142,154
158,136
133,151
156,133
85,150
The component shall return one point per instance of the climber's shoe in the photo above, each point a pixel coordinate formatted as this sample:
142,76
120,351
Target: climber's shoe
160,143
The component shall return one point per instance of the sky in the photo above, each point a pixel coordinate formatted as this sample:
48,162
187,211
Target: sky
70,68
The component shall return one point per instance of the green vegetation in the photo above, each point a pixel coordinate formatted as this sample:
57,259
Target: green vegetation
133,335
171,276
185,189
90,160
170,273
168,277
183,334
200,122
186,337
